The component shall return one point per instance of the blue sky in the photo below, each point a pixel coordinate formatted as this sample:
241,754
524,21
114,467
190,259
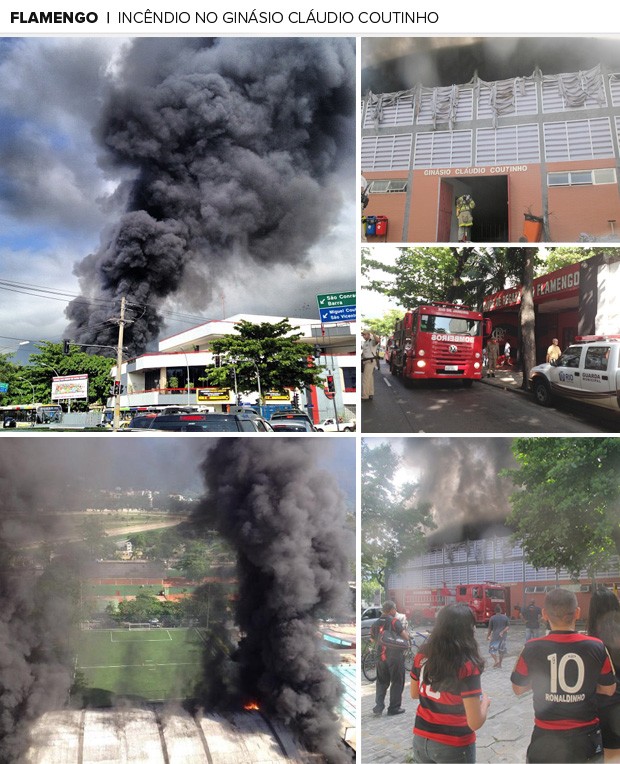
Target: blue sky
57,199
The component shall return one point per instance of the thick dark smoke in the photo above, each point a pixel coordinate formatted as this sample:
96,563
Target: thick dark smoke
286,519
37,611
233,145
460,478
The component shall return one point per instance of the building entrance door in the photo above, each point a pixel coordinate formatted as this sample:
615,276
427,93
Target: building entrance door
490,195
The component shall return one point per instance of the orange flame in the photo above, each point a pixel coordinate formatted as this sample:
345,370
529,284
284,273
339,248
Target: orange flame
251,706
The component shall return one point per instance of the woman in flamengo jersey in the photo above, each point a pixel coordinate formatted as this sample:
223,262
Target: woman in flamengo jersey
604,623
446,679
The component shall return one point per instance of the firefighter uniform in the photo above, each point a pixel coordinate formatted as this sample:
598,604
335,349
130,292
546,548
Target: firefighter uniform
464,206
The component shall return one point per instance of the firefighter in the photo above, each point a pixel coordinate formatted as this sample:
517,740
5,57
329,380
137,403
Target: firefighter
464,205
492,356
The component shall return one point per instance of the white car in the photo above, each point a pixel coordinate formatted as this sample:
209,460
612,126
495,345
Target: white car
588,371
330,425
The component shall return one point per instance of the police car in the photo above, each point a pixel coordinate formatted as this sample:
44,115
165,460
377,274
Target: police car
588,371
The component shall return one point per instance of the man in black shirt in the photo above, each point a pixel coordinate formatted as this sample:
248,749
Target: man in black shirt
532,615
390,662
564,670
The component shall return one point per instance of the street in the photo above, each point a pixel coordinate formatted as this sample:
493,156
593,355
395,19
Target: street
490,406
503,738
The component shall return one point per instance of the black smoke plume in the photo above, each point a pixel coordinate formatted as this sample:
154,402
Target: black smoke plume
286,519
38,606
232,146
461,478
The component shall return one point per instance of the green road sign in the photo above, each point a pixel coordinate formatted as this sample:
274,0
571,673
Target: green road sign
335,300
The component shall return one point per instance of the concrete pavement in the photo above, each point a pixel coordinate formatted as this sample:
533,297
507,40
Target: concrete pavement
503,738
508,379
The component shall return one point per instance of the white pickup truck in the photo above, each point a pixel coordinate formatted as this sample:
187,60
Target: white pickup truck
587,371
329,425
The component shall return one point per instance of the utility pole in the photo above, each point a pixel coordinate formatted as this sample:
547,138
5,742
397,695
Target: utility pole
119,364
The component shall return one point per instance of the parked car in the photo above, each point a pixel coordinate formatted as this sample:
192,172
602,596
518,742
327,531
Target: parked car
203,422
293,425
329,425
290,415
370,616
588,371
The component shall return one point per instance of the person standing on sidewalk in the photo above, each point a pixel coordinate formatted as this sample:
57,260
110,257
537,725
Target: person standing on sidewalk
370,344
497,635
565,670
390,662
554,351
532,615
604,623
492,355
446,679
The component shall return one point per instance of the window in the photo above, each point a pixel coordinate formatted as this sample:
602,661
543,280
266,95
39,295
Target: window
570,357
578,139
596,358
386,152
445,149
349,374
597,177
387,187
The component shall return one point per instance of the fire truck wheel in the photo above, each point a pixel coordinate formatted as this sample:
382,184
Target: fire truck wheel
468,382
541,391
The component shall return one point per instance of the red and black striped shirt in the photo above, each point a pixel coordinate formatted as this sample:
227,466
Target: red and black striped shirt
441,715
564,669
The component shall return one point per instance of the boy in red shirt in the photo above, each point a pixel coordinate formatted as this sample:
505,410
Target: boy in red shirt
564,670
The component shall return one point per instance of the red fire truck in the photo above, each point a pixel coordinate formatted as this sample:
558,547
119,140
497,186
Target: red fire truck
439,341
422,605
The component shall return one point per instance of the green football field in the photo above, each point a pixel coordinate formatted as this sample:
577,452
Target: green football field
154,664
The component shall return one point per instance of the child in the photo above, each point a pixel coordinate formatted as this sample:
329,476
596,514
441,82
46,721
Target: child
564,670
446,679
604,623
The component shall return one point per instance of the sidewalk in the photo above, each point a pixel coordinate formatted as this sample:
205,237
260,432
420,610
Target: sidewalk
508,379
503,738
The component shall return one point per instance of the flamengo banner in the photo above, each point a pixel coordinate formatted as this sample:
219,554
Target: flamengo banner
75,386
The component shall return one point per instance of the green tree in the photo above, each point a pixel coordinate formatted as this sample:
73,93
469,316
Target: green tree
271,350
566,511
202,557
50,362
394,526
384,326
559,257
419,274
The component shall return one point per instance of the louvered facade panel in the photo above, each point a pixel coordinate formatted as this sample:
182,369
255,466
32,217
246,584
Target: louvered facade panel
464,108
396,114
443,149
524,103
553,101
386,152
578,139
516,143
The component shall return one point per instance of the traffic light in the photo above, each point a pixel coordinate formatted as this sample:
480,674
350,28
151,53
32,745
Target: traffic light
217,360
331,387
296,400
66,347
118,389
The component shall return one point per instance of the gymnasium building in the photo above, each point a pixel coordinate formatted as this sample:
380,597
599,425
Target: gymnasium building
538,152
